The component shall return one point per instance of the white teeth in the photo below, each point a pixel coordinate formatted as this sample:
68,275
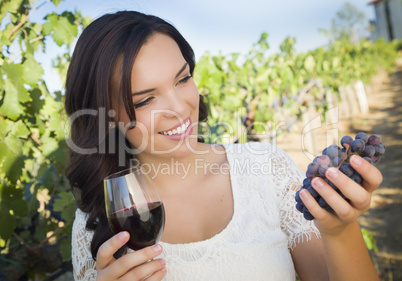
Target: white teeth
178,130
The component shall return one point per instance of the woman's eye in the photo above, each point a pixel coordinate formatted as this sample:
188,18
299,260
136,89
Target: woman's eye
185,79
145,102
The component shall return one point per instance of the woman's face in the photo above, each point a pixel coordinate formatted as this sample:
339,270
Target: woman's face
165,98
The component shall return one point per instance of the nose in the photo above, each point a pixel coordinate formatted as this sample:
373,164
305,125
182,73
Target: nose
175,105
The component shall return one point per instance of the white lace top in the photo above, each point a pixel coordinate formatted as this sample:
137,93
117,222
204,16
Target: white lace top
254,245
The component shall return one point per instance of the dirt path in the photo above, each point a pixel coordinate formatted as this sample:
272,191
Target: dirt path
384,219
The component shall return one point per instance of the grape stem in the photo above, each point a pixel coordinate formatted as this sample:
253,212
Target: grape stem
347,146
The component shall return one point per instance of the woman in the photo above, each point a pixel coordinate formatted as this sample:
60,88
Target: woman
230,211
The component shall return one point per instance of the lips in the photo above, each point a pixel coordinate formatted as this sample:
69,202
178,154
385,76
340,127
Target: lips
178,129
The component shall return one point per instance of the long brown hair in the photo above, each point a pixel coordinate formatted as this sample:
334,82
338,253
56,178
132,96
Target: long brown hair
108,40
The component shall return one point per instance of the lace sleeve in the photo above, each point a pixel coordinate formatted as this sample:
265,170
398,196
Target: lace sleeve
287,180
83,264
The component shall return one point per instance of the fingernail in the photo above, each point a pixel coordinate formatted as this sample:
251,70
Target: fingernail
303,193
332,173
157,248
164,269
318,183
356,160
163,262
123,236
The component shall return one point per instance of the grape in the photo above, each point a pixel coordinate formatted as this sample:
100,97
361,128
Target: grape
347,169
362,136
368,159
370,150
369,147
299,207
378,150
375,159
313,167
323,160
333,151
336,161
308,216
313,192
306,182
346,139
322,170
310,175
357,177
323,203
297,197
374,140
333,186
357,145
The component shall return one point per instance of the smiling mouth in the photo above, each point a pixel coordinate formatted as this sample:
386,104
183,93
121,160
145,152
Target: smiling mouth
178,130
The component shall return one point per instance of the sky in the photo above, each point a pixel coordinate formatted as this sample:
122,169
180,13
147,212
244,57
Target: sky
219,25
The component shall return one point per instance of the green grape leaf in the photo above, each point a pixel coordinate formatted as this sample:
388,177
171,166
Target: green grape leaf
5,33
232,102
11,106
335,62
13,199
309,63
263,42
20,130
66,199
56,124
37,103
11,158
51,107
287,45
49,145
9,6
61,27
15,92
5,127
33,71
56,2
8,222
65,249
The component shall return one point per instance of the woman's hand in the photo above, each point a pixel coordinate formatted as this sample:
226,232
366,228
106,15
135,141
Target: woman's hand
132,266
345,212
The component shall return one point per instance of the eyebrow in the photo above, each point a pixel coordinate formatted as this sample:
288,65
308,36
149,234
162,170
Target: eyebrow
153,89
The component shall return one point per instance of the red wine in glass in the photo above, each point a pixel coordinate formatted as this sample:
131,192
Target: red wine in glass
133,205
144,228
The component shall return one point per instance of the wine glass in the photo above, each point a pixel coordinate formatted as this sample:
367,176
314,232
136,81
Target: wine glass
133,205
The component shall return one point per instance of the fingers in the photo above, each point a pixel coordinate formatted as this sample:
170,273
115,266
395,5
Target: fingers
311,204
133,266
157,276
372,177
106,251
359,196
131,260
152,270
341,207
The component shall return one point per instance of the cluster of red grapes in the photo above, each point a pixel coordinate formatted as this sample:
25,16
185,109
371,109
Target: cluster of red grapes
369,147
